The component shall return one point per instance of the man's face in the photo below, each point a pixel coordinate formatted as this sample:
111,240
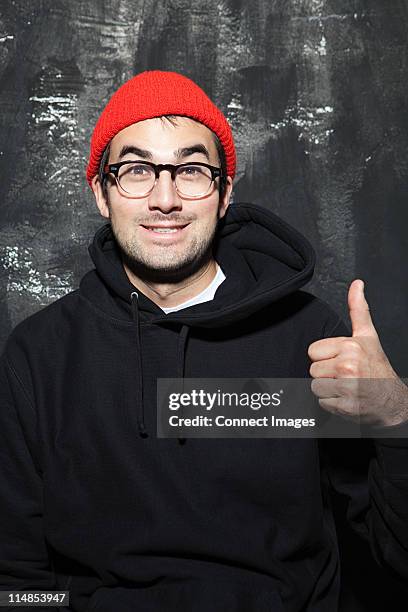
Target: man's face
163,256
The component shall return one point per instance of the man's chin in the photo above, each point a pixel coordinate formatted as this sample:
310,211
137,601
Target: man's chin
160,273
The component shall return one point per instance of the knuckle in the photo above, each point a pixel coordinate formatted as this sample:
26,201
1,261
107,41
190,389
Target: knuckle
348,368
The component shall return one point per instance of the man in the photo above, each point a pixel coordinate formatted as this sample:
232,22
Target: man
184,285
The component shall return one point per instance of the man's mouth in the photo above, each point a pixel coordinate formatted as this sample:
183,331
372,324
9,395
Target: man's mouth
165,229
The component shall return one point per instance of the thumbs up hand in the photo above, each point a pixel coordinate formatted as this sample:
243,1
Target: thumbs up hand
340,364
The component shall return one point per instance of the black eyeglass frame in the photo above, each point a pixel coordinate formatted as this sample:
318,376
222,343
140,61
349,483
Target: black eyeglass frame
114,169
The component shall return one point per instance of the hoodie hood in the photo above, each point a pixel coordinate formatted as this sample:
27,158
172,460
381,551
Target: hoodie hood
262,256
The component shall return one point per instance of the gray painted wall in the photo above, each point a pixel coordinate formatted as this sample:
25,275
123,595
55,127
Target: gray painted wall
316,94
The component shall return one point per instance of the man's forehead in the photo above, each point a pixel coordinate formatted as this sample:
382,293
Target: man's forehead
184,128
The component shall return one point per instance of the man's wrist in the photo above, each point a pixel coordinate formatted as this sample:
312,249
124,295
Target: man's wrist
396,407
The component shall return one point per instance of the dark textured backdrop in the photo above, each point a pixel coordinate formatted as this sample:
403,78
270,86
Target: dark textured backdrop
316,94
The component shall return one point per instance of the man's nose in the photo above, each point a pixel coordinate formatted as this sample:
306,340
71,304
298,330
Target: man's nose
164,196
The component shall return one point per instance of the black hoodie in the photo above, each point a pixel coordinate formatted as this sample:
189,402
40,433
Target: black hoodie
93,502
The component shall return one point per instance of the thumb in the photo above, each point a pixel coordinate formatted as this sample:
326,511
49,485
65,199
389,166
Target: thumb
361,322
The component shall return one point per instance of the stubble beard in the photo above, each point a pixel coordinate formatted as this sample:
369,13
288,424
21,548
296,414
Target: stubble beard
165,267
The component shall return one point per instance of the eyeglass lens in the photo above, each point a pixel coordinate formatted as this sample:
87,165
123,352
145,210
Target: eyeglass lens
138,179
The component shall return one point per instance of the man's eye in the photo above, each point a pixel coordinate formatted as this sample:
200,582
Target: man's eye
137,169
191,170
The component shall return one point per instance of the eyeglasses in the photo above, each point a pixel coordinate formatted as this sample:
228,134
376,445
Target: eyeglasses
138,178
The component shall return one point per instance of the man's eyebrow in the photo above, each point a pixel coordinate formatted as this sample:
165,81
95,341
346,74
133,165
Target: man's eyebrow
196,148
126,149
179,153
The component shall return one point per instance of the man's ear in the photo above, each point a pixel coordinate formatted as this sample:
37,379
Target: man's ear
101,200
225,201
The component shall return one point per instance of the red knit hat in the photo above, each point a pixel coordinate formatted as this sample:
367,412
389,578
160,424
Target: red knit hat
153,93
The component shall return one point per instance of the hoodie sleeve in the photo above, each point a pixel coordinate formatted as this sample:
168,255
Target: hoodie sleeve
24,562
373,476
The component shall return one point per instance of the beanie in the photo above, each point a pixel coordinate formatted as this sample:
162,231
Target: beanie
153,93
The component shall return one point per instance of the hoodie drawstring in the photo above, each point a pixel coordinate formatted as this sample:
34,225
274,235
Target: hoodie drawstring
181,352
140,404
181,349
